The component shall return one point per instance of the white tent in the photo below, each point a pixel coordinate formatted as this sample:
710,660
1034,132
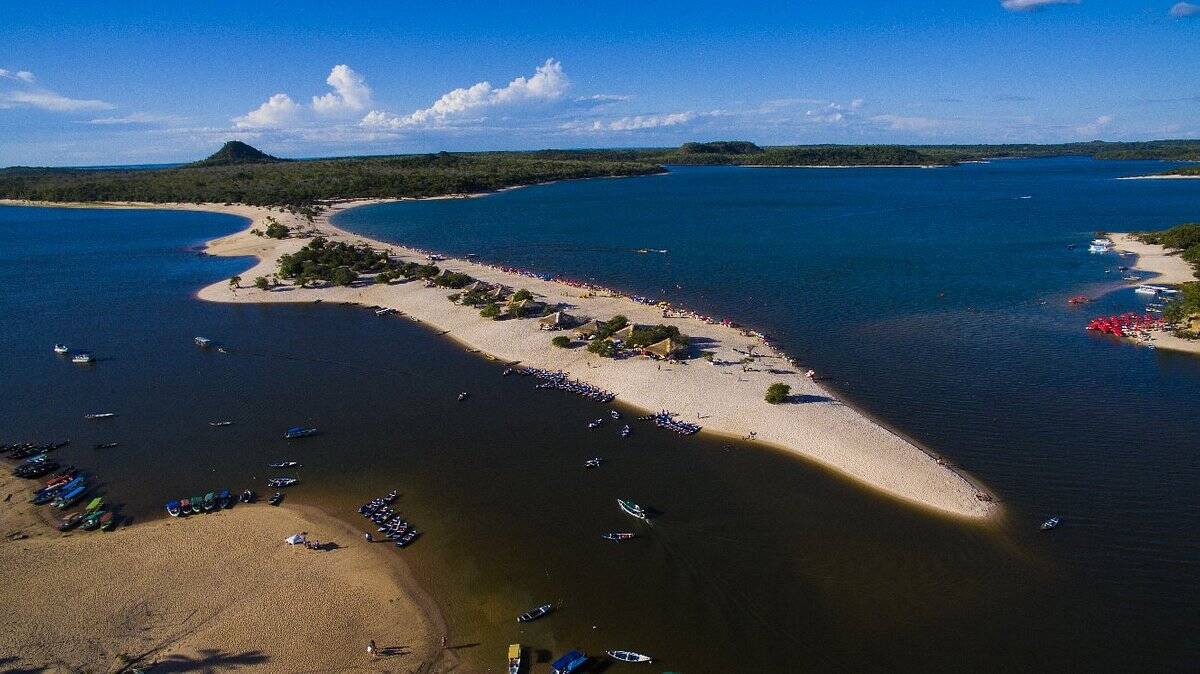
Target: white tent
294,539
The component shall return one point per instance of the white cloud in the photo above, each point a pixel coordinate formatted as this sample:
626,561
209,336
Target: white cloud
136,118
277,112
1093,127
28,95
1030,5
548,83
1184,9
632,122
832,112
902,123
350,93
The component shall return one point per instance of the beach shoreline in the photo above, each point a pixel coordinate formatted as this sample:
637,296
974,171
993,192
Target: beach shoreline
1168,268
256,601
819,428
1165,176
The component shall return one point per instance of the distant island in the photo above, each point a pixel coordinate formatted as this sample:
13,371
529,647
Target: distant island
239,173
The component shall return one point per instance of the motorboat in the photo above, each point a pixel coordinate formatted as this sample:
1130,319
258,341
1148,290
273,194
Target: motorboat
595,422
631,508
593,462
83,358
625,431
463,396
185,506
533,614
92,520
70,521
1050,523
61,349
570,662
247,496
106,445
299,432
275,498
197,504
203,342
618,536
614,414
224,499
220,424
514,658
173,508
99,415
210,502
629,656
282,481
283,464
107,521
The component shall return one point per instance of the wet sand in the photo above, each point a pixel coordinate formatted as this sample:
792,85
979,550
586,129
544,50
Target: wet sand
212,592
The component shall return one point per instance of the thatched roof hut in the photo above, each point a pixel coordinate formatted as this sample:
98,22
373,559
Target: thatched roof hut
623,334
557,320
588,330
668,348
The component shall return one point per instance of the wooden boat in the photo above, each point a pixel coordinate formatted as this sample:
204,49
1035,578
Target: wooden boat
533,614
514,658
282,481
275,498
71,497
173,508
100,415
70,521
247,496
224,499
197,504
283,464
185,506
299,432
107,522
629,656
631,508
220,424
94,505
203,342
1050,523
210,502
618,536
569,662
106,445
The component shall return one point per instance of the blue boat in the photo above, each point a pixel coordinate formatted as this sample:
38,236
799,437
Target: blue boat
224,499
569,662
173,508
299,432
70,498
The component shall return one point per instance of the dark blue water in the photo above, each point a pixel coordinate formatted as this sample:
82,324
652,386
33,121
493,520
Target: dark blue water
758,558
935,299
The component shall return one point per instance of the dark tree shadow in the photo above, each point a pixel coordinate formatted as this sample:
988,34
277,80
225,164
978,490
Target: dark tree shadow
808,398
209,660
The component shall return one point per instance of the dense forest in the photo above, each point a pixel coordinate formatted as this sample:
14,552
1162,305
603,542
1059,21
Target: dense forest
240,173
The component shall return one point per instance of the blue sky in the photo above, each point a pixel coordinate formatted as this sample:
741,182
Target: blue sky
148,82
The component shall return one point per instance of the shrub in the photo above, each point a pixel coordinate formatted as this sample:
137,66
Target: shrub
521,294
778,393
492,311
561,341
602,348
342,276
262,283
276,230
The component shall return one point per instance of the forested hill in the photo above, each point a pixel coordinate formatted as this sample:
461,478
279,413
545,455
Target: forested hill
241,173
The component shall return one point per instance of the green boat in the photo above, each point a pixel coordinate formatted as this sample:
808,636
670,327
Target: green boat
210,502
92,520
94,505
197,504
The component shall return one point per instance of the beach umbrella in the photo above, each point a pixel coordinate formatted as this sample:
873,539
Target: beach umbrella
294,539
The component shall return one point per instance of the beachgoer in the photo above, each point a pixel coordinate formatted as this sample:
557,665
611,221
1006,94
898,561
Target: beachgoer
368,537
371,647
443,641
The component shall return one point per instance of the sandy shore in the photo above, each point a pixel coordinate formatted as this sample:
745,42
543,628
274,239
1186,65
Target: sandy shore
723,399
212,592
1166,266
1169,176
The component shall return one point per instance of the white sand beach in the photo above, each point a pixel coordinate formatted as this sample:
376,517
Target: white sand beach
1166,266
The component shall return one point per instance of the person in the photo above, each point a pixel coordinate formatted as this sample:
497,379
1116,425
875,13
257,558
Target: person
367,536
371,647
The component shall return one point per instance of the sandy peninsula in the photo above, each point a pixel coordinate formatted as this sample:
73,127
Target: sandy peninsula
212,592
1166,266
724,399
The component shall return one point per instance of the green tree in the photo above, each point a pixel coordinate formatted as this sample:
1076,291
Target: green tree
235,282
561,341
602,348
492,310
521,294
342,276
262,283
276,230
778,393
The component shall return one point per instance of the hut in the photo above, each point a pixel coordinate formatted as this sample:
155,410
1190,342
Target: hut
498,293
623,334
666,349
524,307
557,321
588,330
1193,323
476,287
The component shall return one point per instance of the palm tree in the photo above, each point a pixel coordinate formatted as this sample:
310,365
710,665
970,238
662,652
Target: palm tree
235,282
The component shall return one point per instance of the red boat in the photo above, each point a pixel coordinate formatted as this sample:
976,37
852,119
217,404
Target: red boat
1079,299
1122,324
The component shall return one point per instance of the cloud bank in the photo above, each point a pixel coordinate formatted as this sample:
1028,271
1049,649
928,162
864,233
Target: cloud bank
1184,9
1031,5
350,95
19,89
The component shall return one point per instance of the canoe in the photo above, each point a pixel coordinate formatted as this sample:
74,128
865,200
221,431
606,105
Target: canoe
299,432
534,614
185,506
94,504
224,499
629,656
70,498
70,521
92,520
107,521
631,508
197,504
210,502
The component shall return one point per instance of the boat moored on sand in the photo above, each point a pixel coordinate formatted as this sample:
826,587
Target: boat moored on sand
282,481
514,658
173,508
570,662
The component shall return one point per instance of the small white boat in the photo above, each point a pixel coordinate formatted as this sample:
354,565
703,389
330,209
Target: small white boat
203,342
514,658
628,656
283,464
384,311
593,462
1099,248
1050,523
219,424
631,508
61,349
83,358
100,415
1147,290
